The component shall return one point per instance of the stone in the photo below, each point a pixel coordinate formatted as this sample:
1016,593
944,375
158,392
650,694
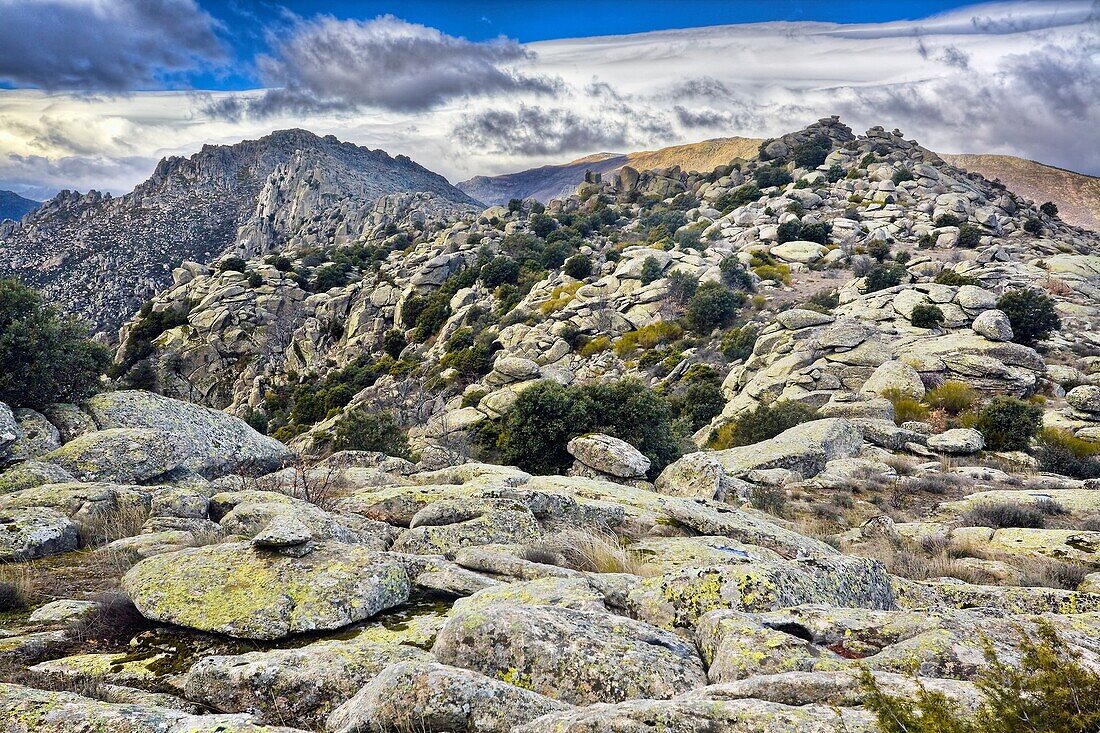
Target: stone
736,646
698,474
239,591
28,474
301,685
210,442
957,441
9,432
805,448
994,325
1085,398
38,437
714,519
62,611
427,696
797,318
120,455
33,532
282,531
896,376
580,657
799,251
609,455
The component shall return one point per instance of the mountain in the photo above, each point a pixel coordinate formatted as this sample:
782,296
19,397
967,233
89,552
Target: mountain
100,257
14,206
1076,194
554,181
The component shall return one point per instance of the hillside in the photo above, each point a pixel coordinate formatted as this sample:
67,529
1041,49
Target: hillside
1076,194
13,206
553,181
100,257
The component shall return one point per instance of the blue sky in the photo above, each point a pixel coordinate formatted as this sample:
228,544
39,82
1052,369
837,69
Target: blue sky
94,92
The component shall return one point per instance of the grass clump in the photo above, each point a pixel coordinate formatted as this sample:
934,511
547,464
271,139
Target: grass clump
952,397
906,408
1003,514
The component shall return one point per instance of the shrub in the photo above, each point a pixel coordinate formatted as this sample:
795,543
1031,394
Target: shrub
234,264
771,175
770,499
712,306
734,273
1047,690
737,197
811,154
1008,423
578,266
970,236
1031,313
1033,226
682,286
947,220
882,276
906,408
595,346
789,231
1060,451
393,343
114,620
738,343
499,270
778,273
651,270
952,397
762,423
703,399
255,280
818,232
329,277
44,357
1049,208
823,301
1002,515
950,277
648,337
12,596
902,174
535,431
371,431
926,315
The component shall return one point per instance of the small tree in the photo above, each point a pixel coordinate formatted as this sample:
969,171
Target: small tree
927,315
651,270
1031,313
500,270
970,236
1050,209
393,343
1033,226
578,266
372,431
235,264
44,357
1008,423
713,305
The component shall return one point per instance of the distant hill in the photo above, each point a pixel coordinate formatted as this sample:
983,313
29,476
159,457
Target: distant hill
14,206
1076,194
554,181
101,257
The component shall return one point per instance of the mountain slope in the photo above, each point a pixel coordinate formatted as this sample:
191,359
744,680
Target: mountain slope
100,257
14,206
554,181
1076,194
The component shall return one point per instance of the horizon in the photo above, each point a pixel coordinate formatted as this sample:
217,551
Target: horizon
471,89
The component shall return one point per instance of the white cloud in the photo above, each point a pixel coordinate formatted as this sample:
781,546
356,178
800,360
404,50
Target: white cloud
1016,79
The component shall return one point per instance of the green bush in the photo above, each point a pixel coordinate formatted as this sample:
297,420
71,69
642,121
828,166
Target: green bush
947,220
578,267
902,174
789,231
1008,423
772,175
651,270
952,397
1049,208
762,423
737,197
1047,690
682,286
812,154
534,432
371,431
500,270
44,357
235,264
1031,313
926,315
713,305
329,277
393,343
883,276
1033,226
823,301
734,273
970,236
950,277
906,408
1060,451
702,398
880,250
737,343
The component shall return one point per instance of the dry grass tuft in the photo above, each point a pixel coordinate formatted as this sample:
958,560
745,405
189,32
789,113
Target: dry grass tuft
592,551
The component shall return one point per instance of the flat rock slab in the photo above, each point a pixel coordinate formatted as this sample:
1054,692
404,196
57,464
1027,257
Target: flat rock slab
26,534
247,593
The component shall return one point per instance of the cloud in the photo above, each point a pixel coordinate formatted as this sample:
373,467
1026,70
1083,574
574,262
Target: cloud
702,117
103,45
538,131
329,65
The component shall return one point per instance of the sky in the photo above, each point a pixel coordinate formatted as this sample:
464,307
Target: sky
94,92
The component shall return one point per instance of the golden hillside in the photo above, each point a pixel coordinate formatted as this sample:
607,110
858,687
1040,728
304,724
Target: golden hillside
702,156
1076,194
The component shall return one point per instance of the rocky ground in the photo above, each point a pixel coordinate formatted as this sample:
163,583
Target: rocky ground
183,571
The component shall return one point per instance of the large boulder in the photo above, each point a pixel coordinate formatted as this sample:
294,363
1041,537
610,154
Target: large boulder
212,442
303,685
895,376
581,657
120,455
423,696
608,455
9,432
1085,398
248,593
994,325
799,251
957,441
32,532
805,448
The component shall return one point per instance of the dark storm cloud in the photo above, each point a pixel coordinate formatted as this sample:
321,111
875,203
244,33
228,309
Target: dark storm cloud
538,131
325,64
702,117
113,46
704,86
